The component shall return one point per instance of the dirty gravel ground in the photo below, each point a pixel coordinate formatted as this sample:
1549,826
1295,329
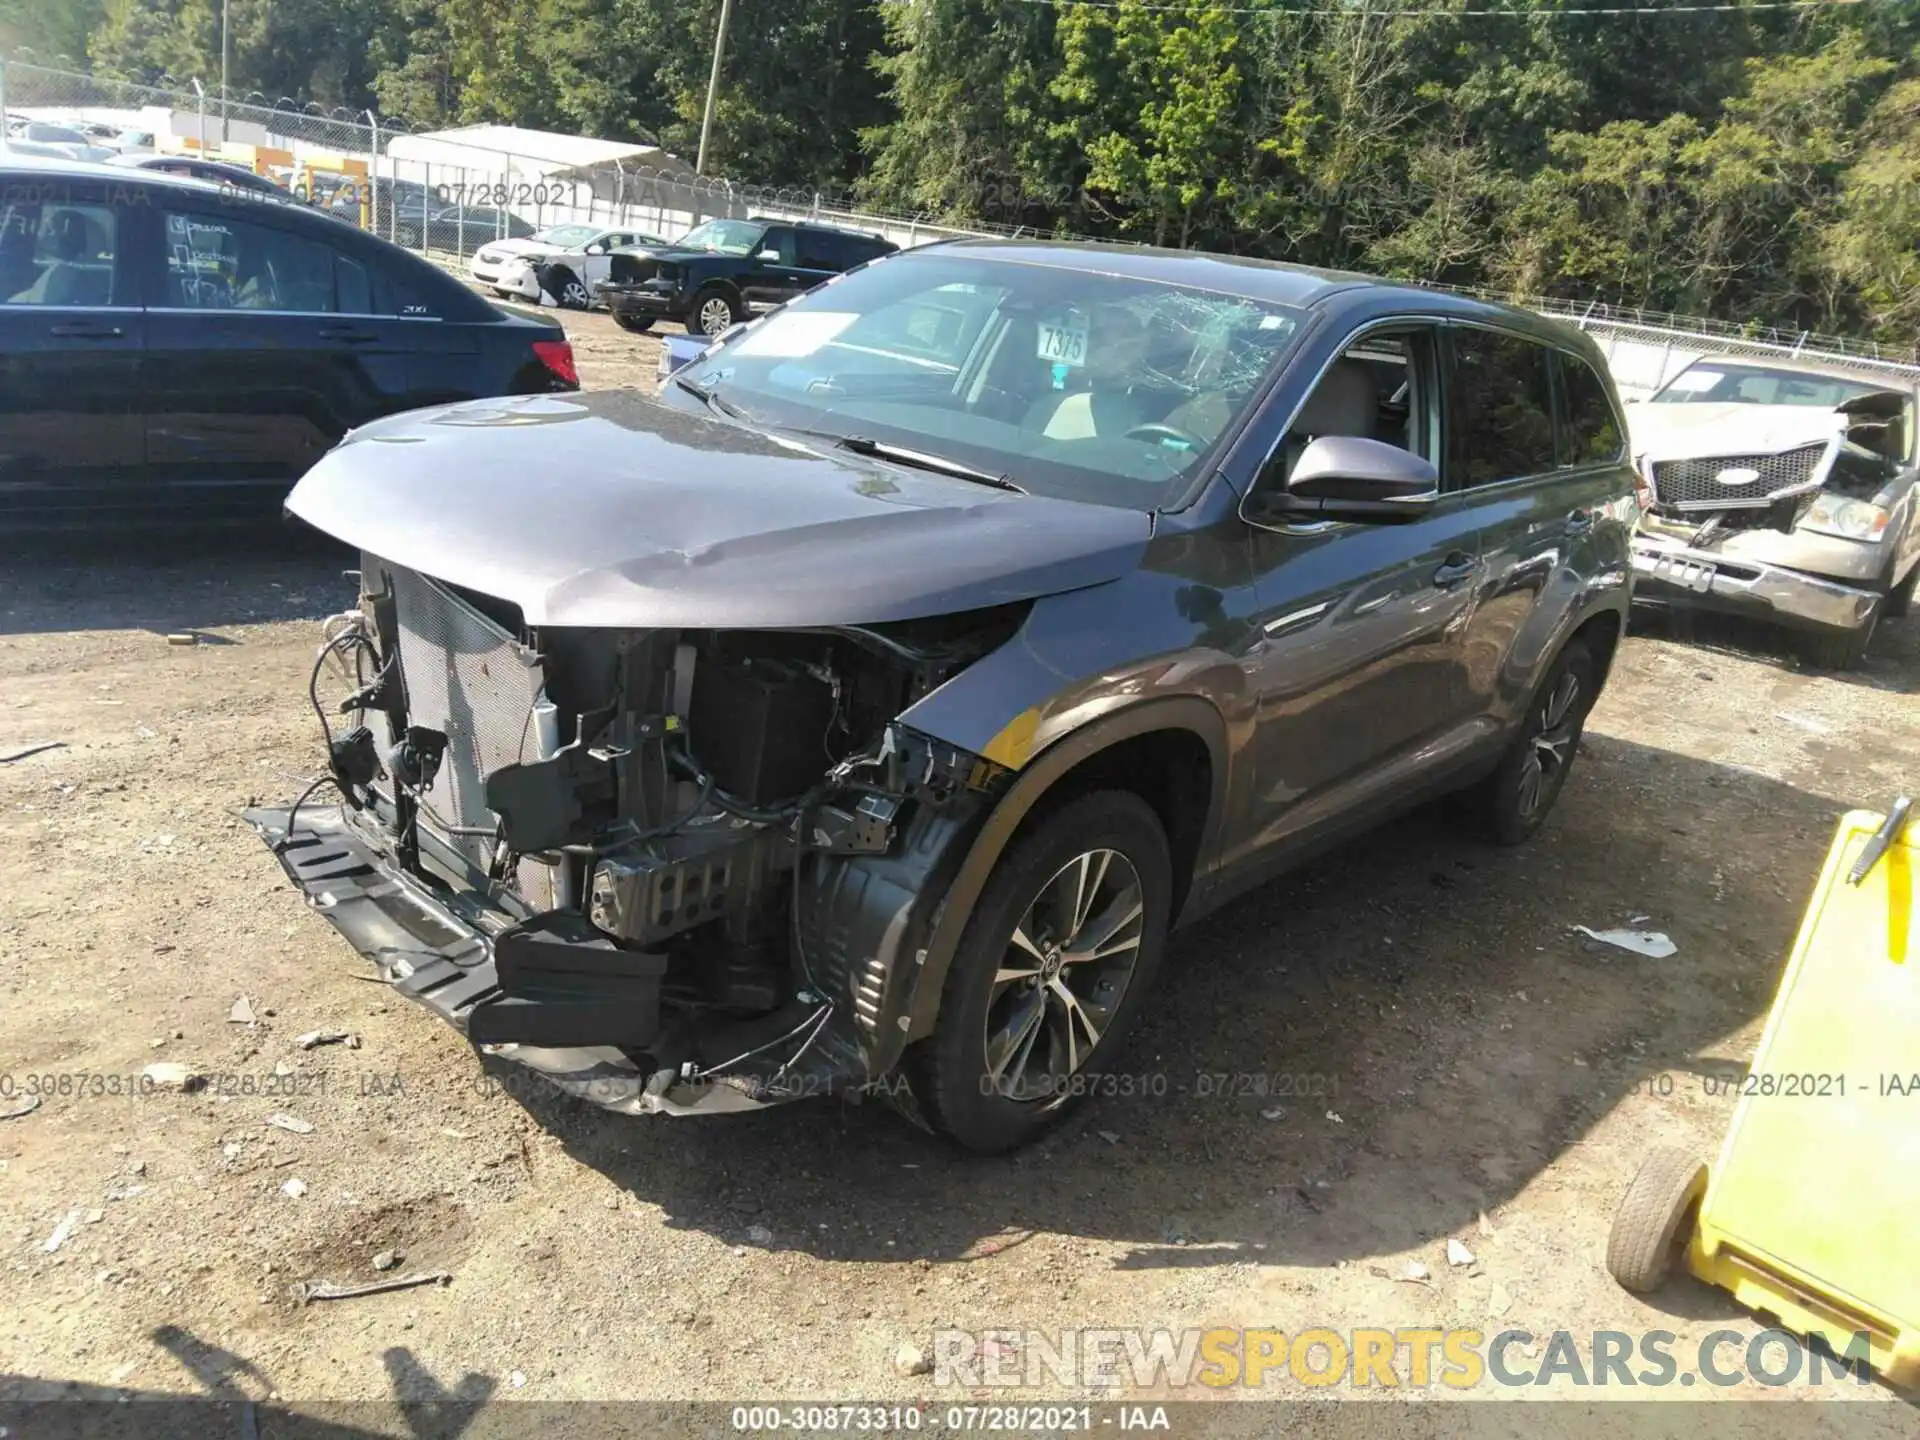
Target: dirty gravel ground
1467,1056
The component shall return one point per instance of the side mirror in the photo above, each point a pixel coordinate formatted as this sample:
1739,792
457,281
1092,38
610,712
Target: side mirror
773,255
1348,477
596,248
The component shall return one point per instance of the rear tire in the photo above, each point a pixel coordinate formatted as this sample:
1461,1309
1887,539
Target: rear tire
1080,904
1510,804
634,324
1651,1227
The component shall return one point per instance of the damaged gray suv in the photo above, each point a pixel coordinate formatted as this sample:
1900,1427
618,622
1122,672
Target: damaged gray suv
861,714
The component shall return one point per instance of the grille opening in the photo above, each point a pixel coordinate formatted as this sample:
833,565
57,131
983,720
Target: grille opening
1695,483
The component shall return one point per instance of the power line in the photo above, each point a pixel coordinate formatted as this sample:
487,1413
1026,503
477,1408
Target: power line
1435,12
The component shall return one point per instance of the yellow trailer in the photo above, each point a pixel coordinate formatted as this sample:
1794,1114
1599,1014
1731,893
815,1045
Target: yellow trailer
1810,1213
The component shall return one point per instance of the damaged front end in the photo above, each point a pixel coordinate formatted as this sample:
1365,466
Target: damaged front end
673,870
1786,515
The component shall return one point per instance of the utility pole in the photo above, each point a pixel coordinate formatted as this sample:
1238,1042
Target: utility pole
223,71
713,87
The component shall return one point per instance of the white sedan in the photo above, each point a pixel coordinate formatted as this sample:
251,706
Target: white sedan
556,266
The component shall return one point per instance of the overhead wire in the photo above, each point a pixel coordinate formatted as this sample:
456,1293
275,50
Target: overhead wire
1437,12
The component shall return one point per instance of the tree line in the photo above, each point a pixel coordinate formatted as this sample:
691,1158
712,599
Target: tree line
1751,164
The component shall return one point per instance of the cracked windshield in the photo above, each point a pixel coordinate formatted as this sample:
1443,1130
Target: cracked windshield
1067,382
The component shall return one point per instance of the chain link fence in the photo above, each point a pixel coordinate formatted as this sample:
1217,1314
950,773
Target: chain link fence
449,193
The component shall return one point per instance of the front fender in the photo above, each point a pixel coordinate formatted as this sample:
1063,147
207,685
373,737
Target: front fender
1042,772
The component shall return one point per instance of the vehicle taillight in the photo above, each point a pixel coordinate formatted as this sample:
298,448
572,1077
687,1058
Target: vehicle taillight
557,356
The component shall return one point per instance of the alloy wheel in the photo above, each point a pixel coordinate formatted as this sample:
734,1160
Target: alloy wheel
716,315
1065,970
1555,728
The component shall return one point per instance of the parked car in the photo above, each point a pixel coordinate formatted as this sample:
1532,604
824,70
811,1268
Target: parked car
42,138
352,200
560,264
721,273
163,344
860,714
455,229
217,172
1782,490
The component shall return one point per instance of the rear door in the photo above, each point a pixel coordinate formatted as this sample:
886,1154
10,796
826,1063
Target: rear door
71,330
824,254
266,344
1533,511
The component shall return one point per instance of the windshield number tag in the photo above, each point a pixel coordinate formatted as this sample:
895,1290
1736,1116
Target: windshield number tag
1064,342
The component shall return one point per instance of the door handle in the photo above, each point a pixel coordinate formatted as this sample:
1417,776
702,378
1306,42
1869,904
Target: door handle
88,330
1579,521
1458,567
349,336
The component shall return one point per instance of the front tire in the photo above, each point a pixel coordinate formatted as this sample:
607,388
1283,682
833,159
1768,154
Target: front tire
1051,971
713,314
1510,804
1899,602
570,291
1841,649
634,324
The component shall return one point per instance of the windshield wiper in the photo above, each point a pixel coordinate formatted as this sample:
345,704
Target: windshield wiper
921,460
709,399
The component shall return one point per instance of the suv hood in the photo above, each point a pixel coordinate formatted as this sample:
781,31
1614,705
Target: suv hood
616,510
1703,428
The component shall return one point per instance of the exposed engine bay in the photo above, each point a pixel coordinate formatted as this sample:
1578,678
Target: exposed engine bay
704,852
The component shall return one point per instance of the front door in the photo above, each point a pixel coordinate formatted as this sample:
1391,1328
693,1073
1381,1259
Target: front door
71,331
264,350
1359,669
773,275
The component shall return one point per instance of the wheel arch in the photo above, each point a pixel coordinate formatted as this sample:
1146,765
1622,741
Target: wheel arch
1172,752
1601,632
719,283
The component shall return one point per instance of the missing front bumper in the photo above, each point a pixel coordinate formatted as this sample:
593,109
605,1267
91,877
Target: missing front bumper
438,949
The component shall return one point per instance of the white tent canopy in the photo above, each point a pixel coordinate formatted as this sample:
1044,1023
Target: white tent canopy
498,149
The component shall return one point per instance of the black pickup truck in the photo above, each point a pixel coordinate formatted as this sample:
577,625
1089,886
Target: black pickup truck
724,271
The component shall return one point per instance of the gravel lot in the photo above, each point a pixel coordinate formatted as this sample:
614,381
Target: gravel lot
1475,1070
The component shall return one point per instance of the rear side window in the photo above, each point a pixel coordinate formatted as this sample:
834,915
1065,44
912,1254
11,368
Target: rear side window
1590,431
224,263
1499,408
823,250
53,252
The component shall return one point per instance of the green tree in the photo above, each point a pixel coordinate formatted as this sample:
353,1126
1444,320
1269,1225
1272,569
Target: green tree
55,30
968,82
1873,244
